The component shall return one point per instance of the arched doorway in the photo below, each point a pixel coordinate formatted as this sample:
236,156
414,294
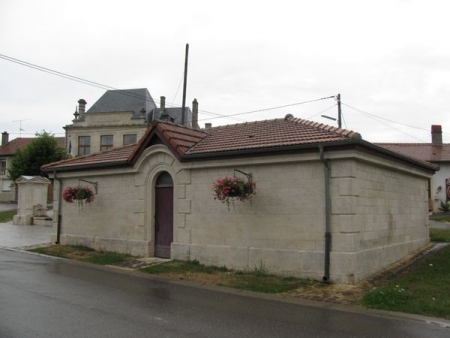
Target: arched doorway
163,215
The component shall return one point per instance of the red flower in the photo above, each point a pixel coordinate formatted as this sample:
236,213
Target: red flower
79,194
227,188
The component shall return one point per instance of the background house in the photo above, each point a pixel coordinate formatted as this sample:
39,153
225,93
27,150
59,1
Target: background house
8,150
435,152
118,118
314,182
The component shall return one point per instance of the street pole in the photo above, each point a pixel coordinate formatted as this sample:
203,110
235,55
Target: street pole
184,86
339,110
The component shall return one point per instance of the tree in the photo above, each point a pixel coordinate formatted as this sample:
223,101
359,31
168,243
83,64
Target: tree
41,150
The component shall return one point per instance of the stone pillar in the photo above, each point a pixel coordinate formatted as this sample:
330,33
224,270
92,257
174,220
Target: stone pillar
32,191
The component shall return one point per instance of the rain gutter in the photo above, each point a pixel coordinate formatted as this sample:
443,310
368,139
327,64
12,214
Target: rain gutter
58,229
326,163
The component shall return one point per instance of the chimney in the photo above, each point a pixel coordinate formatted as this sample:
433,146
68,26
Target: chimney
5,138
436,135
208,125
163,104
195,114
81,107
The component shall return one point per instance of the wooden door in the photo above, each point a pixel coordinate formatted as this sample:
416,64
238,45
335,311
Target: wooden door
163,215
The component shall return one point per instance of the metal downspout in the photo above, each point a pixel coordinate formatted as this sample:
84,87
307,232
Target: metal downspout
58,229
326,276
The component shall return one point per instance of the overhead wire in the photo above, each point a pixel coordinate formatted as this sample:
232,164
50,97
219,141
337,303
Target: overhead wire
377,118
88,82
70,77
215,115
272,108
322,111
102,86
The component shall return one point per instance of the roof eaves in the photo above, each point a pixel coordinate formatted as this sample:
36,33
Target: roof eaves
334,144
265,150
87,166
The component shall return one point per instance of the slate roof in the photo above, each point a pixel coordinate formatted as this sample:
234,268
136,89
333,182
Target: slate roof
423,151
11,147
260,137
174,112
124,100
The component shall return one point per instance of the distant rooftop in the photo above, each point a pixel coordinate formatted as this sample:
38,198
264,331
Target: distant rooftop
132,100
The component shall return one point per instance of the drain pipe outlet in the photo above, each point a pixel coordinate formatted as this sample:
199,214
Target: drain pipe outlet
326,163
58,229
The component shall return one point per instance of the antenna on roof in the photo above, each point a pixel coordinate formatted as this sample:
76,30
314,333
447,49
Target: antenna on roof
20,126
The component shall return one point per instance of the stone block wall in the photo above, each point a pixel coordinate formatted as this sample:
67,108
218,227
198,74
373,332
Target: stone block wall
111,222
379,213
379,216
280,229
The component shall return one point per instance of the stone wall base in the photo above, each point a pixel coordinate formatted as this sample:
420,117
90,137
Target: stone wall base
345,267
131,247
46,221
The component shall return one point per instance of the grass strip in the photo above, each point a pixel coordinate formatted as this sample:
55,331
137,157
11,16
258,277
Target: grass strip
423,290
7,216
257,280
84,254
440,235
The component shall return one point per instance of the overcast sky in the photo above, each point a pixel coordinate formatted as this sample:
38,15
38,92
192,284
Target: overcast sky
389,60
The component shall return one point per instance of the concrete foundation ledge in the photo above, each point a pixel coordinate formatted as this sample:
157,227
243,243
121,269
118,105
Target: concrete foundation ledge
125,246
276,261
369,262
45,221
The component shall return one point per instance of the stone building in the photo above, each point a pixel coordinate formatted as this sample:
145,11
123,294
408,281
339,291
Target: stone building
329,205
118,118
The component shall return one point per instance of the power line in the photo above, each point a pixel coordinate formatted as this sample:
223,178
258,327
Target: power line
69,77
88,82
106,87
322,111
377,118
271,108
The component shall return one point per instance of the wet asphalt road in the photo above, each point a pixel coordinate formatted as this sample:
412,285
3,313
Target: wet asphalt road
47,297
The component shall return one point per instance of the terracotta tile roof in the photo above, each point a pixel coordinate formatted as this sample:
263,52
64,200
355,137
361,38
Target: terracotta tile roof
269,134
180,138
186,142
114,156
261,136
422,151
11,147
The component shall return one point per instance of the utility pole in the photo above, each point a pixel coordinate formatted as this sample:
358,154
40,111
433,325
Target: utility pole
184,86
338,97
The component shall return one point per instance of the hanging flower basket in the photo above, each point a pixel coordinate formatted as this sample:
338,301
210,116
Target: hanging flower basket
229,188
79,195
